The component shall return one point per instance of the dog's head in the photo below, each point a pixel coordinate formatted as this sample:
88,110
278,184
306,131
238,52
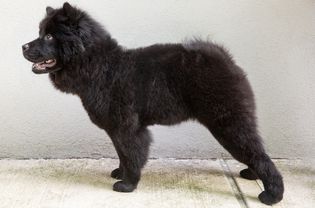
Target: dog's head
61,37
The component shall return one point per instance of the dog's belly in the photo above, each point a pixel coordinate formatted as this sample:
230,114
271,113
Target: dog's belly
169,119
168,113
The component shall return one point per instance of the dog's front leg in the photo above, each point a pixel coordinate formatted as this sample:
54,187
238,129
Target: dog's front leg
118,172
132,149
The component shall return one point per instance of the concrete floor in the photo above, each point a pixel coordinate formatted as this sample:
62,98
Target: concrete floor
165,183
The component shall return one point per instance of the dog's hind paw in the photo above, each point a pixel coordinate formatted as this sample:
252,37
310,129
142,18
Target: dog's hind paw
248,174
268,199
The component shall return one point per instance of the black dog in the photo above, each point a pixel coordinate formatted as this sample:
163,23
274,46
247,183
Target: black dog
124,91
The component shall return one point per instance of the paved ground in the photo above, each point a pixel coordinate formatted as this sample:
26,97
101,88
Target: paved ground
165,183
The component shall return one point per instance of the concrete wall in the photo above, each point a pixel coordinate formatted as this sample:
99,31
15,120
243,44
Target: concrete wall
273,40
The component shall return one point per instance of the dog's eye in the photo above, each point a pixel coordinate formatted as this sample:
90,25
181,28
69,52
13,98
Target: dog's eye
48,37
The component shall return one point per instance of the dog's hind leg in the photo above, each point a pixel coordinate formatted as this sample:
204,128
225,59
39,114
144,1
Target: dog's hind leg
133,149
238,135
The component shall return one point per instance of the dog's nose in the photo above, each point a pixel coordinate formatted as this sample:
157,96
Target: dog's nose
25,47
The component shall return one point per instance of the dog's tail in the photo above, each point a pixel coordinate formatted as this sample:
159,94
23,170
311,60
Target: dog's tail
208,47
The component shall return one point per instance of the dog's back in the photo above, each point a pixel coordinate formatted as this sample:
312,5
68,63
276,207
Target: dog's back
175,82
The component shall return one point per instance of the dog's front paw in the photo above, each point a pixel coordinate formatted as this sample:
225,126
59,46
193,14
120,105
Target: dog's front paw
117,174
121,186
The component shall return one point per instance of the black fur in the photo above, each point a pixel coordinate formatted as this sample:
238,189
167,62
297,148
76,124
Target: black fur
124,91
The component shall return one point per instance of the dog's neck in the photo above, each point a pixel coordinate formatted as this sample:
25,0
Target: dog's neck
83,72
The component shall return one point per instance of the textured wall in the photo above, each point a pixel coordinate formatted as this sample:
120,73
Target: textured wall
273,40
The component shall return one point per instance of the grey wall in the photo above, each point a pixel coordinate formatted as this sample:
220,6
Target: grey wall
273,40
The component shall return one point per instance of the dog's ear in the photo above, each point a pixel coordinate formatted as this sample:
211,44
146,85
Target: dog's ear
49,10
67,8
70,12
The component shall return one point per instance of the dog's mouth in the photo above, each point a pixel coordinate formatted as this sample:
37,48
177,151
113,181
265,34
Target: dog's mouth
45,66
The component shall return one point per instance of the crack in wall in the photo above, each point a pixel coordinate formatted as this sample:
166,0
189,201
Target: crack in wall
233,184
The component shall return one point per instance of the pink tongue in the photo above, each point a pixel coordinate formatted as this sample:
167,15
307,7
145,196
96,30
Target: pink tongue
40,66
43,65
49,63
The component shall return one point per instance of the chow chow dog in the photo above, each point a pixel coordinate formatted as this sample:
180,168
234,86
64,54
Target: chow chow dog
126,90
